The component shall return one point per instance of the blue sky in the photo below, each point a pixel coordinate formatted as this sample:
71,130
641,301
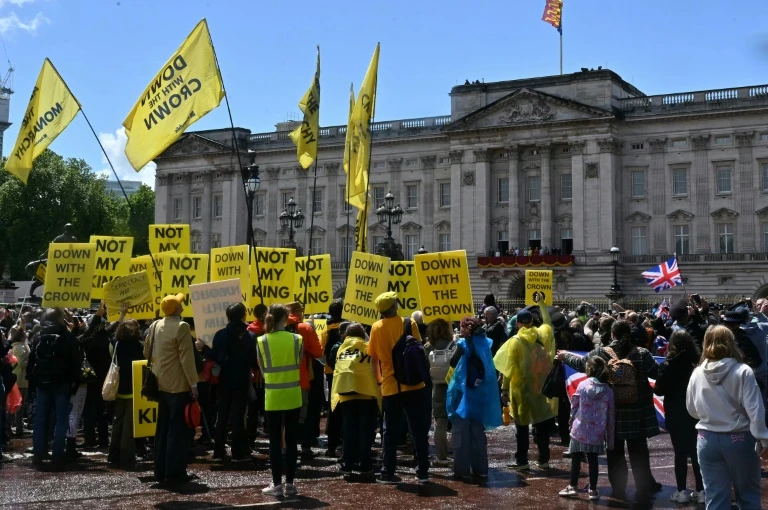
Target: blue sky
108,50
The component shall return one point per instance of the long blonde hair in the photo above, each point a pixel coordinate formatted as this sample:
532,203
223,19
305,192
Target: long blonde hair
719,343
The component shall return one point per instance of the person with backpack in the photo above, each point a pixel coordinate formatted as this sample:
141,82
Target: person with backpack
472,400
330,341
440,348
235,350
525,361
396,349
356,396
629,368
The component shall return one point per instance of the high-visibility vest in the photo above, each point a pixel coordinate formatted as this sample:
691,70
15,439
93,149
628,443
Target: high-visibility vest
280,355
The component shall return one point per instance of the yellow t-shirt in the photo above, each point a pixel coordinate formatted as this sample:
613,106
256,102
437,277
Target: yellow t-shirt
384,335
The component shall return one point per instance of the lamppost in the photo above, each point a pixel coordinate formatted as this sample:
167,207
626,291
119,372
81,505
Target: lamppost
615,294
391,214
251,183
291,219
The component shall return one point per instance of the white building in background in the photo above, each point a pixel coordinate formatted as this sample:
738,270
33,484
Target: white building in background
579,163
130,187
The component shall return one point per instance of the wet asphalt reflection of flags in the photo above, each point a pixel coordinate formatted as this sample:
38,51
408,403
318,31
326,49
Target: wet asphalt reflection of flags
574,378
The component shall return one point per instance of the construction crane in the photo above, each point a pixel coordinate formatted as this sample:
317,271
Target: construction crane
5,98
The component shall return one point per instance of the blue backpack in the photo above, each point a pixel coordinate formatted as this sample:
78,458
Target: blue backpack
409,360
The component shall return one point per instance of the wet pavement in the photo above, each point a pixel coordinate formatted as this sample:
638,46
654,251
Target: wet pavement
89,483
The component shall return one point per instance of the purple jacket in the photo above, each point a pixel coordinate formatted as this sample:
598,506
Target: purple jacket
592,413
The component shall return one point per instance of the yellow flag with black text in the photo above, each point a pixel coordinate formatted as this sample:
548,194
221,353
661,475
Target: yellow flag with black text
305,136
352,196
361,118
50,110
362,231
187,87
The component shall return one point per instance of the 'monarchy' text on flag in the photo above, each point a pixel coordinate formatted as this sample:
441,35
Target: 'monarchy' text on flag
664,276
306,136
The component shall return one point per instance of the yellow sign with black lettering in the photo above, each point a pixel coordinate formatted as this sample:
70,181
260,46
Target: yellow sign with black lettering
444,288
113,259
68,281
144,411
232,262
402,279
164,238
272,275
320,325
133,290
180,270
538,287
313,275
368,277
40,272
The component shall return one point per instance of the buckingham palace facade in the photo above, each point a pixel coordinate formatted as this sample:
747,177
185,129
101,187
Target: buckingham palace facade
575,164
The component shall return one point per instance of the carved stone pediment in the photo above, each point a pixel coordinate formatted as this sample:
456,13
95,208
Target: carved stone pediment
637,217
443,226
724,214
377,228
680,215
259,233
762,213
191,144
501,221
316,230
410,227
564,219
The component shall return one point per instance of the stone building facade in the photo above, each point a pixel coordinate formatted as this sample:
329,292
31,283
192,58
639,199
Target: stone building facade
579,163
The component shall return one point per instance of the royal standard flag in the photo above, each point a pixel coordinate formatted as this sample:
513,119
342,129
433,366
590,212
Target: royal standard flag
305,136
187,87
553,14
50,110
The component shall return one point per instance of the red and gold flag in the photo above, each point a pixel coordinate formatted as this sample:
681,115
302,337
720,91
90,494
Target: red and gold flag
553,14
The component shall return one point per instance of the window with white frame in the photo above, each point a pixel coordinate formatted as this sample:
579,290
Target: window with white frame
197,207
765,237
375,242
218,206
566,186
177,205
379,192
725,237
682,235
258,243
345,207
412,162
502,241
316,246
196,243
723,140
216,241
347,246
379,164
723,178
566,233
638,183
258,204
764,176
534,188
412,196
639,240
443,160
679,181
764,137
411,246
502,190
444,241
287,196
679,143
534,234
317,201
445,194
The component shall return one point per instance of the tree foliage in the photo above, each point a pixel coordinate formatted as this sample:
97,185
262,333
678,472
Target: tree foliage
62,191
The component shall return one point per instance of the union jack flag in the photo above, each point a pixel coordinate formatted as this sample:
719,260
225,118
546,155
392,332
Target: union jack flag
665,276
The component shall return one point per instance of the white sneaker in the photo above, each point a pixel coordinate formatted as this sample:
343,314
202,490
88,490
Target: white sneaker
699,497
569,492
290,489
682,496
273,490
594,495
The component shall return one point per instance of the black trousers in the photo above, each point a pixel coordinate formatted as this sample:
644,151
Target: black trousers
207,400
333,426
231,409
359,418
594,469
255,409
410,404
684,444
639,459
275,422
543,430
172,438
563,420
95,417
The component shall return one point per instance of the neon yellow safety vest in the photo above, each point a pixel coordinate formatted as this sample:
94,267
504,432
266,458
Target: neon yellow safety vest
280,355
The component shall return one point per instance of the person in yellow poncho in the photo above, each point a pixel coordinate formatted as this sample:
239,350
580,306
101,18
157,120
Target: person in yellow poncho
355,389
525,361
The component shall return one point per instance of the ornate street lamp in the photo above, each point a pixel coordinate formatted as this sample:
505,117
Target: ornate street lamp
291,219
615,294
391,215
251,184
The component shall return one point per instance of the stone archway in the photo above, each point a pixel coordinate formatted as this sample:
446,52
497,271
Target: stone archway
761,292
517,288
340,292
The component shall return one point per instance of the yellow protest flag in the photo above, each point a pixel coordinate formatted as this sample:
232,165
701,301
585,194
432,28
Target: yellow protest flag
50,110
362,230
306,136
362,114
186,88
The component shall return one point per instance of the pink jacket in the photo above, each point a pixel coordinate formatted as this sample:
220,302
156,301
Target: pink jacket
593,413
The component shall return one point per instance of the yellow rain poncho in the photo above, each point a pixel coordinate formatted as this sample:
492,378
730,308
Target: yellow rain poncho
353,376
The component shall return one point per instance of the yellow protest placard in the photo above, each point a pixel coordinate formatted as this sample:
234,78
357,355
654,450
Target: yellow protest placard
368,277
402,279
113,259
444,288
69,276
232,262
314,276
169,238
538,283
40,272
273,282
144,411
180,270
209,304
320,325
133,290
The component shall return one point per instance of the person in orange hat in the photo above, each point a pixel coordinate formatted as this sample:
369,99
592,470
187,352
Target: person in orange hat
170,349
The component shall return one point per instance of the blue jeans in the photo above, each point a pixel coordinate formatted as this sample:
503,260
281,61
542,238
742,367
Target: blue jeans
729,459
410,403
51,400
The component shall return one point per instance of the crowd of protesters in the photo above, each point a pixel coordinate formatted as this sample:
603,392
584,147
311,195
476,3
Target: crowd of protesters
275,377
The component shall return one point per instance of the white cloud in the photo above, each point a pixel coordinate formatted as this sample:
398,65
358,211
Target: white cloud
17,3
114,145
11,23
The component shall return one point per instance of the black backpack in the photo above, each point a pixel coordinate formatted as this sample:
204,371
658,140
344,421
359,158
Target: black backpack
409,360
332,344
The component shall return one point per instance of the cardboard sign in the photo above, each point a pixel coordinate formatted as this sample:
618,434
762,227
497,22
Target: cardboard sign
444,287
113,259
273,281
209,305
232,262
180,270
402,279
69,277
133,290
144,411
164,238
368,277
314,276
538,283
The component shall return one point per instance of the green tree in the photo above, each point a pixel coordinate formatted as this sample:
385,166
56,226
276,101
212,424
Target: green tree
141,217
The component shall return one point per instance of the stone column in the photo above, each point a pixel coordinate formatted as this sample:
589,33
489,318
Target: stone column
702,192
482,204
456,157
274,207
163,205
186,208
657,188
207,209
426,212
607,197
514,196
304,200
577,203
545,150
745,204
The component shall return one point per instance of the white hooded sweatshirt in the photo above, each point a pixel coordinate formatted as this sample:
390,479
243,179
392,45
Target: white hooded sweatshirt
723,395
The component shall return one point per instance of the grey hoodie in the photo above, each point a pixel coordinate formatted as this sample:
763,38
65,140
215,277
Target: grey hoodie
724,397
